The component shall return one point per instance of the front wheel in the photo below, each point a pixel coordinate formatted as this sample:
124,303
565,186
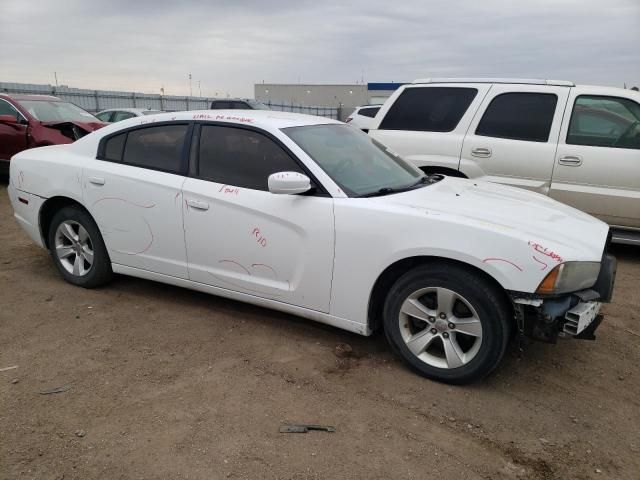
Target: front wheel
77,248
447,323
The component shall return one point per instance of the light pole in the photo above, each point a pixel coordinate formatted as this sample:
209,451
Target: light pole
199,89
190,89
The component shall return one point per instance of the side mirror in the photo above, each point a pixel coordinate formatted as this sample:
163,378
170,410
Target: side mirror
9,119
289,183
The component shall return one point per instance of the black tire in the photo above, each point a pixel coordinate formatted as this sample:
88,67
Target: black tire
486,299
99,273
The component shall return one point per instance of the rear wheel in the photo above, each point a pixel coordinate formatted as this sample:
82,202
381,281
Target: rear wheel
77,248
447,323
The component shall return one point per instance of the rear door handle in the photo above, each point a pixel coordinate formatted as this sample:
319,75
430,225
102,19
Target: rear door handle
570,160
96,180
481,152
198,204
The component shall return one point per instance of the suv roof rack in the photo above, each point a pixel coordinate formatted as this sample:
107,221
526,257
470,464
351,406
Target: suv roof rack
530,81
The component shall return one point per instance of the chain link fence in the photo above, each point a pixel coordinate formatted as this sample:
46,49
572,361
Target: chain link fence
329,112
95,101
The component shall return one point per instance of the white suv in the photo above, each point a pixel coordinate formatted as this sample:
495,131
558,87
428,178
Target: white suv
362,117
577,144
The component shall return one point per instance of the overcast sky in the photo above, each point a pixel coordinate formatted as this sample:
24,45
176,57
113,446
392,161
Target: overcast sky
143,45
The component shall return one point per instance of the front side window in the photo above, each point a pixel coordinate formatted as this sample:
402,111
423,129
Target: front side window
158,148
519,116
7,109
241,157
428,109
53,111
605,122
358,164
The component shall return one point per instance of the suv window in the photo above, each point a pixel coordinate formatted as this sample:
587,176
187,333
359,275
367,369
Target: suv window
428,109
369,112
158,148
240,157
605,122
519,116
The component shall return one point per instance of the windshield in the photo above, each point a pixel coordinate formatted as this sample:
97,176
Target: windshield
51,111
258,105
358,164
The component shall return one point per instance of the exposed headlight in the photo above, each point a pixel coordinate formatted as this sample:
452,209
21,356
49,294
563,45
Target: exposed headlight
570,277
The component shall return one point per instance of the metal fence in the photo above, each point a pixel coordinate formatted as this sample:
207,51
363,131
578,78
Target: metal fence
329,112
97,100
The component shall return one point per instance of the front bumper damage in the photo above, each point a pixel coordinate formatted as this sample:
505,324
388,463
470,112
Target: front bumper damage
574,315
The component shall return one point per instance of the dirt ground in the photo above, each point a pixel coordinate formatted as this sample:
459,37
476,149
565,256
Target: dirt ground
169,383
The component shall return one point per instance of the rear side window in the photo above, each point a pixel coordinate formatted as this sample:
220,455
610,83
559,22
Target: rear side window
113,148
369,112
119,116
104,116
605,122
428,109
519,116
158,148
239,157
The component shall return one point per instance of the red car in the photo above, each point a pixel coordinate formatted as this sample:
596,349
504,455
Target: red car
28,121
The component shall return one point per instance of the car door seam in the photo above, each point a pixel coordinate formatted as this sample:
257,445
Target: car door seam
473,118
555,152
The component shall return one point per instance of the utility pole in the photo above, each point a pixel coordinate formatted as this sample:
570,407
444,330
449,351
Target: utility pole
55,75
199,89
190,89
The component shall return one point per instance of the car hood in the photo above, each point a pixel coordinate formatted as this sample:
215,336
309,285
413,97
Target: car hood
531,216
86,126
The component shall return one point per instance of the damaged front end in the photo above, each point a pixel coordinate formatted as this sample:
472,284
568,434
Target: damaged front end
576,314
70,130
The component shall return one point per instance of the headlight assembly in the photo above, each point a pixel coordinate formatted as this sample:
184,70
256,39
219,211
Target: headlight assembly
570,277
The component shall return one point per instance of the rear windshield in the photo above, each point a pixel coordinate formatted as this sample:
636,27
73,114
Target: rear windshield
51,111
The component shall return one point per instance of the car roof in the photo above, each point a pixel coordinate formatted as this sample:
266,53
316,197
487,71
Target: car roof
268,120
132,110
20,96
530,81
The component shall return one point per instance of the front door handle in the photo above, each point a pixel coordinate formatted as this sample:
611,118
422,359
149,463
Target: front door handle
570,160
96,180
198,205
481,152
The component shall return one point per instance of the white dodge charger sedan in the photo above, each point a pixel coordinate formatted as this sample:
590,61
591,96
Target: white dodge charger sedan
310,216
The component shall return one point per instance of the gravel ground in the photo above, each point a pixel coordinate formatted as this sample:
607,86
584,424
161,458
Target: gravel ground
168,383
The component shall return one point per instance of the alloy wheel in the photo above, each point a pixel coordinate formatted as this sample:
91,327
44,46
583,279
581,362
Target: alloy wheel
74,248
440,327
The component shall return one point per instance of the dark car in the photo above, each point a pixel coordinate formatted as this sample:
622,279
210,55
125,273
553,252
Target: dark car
28,121
238,104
